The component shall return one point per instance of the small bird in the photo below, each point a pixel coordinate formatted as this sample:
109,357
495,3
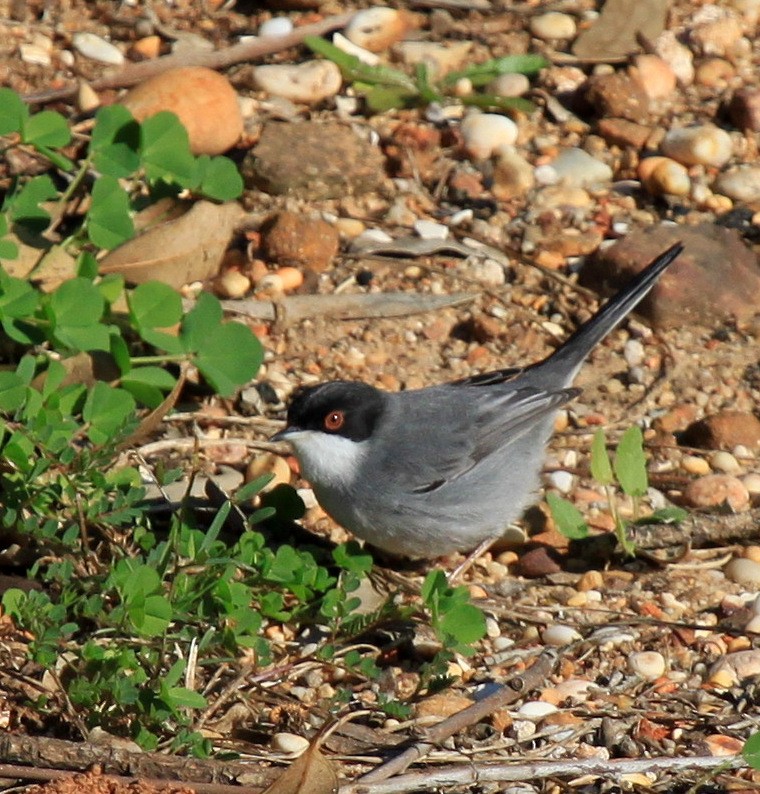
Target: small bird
427,472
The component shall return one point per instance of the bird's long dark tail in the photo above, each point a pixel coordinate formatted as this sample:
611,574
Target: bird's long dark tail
573,352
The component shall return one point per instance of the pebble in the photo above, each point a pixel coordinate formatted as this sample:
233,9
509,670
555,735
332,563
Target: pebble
309,82
204,100
365,56
295,240
738,666
678,56
714,73
649,665
35,54
701,145
439,58
577,168
484,133
553,25
276,26
289,743
376,28
655,76
740,184
693,464
633,353
752,484
724,430
575,689
662,176
537,709
97,49
562,481
430,230
233,284
513,175
714,490
744,109
557,636
743,571
512,84
724,462
487,271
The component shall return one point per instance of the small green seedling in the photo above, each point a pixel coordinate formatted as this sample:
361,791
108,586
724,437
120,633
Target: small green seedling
385,88
628,471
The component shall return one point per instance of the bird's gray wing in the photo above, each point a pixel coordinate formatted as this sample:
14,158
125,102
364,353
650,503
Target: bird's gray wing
468,424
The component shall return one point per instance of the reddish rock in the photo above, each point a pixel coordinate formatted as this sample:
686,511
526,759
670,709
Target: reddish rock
291,239
716,277
715,490
538,562
725,430
204,101
744,109
624,133
618,94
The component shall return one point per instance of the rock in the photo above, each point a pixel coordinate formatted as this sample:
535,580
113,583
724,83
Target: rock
739,665
752,484
623,132
97,49
717,36
232,284
204,101
678,56
744,109
716,277
365,56
614,32
693,464
268,463
740,184
724,462
538,562
146,48
649,665
743,571
714,73
724,430
430,230
487,271
377,28
562,480
558,635
538,709
662,176
577,168
292,239
716,490
87,98
484,133
308,83
509,85
276,26
512,174
312,159
442,705
36,54
439,58
705,144
553,25
617,94
289,743
654,75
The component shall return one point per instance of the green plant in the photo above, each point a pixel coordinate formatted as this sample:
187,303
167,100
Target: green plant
628,471
385,88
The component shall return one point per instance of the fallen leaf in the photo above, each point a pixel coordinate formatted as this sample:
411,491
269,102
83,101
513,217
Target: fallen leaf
614,33
310,773
179,251
85,368
153,420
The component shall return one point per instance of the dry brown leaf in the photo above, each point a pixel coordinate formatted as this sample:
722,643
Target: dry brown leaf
614,32
310,773
85,368
179,251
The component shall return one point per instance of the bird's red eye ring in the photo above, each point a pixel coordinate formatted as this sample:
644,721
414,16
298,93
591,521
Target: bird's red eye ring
334,421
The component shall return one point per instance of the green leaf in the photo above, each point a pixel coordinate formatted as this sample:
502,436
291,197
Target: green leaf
87,266
108,222
155,305
18,298
151,616
107,410
77,302
201,321
111,287
25,205
665,515
383,98
465,622
567,517
47,128
151,376
601,468
12,392
483,73
630,463
219,178
229,357
166,150
181,697
352,557
115,143
750,751
246,492
13,111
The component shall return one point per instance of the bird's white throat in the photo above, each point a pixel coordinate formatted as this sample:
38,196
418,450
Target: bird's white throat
327,460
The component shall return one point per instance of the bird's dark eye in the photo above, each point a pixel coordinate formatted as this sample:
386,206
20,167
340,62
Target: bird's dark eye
334,421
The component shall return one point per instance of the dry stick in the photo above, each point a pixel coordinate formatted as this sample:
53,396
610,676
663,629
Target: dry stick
516,688
219,59
475,774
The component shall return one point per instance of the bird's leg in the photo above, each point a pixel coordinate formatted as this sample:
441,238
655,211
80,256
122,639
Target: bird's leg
468,561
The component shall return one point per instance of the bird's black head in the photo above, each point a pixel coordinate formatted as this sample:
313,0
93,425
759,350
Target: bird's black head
342,408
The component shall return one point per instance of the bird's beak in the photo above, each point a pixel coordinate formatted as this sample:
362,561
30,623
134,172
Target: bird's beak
284,434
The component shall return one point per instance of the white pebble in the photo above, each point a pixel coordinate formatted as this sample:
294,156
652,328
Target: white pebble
693,464
558,636
537,709
751,482
743,571
376,28
365,56
701,145
562,481
35,54
739,184
308,82
577,168
553,25
487,271
511,84
545,175
97,48
633,352
276,26
430,230
484,133
649,665
289,743
725,462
